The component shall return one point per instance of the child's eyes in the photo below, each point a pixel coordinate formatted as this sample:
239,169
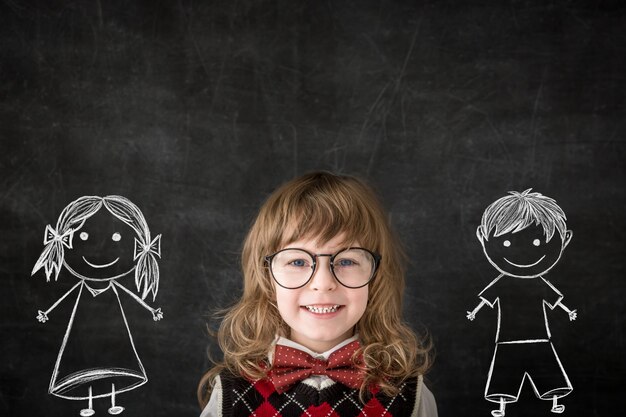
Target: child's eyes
84,235
299,263
345,262
536,242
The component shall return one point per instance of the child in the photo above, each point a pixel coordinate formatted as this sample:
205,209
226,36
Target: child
518,236
318,329
100,241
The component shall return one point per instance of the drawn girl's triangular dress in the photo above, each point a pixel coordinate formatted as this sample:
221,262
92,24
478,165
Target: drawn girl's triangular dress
98,348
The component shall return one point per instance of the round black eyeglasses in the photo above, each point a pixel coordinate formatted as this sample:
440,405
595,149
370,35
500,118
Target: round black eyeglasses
352,267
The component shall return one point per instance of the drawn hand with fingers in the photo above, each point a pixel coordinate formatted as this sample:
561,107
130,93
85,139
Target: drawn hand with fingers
100,241
523,236
572,315
42,316
157,314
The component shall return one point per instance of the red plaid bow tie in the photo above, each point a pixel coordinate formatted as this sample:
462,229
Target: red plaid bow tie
292,365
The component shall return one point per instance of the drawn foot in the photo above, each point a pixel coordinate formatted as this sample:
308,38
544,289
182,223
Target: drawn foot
557,408
89,411
115,410
499,412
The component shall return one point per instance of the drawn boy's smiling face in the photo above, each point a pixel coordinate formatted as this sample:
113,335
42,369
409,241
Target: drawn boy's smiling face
102,248
524,254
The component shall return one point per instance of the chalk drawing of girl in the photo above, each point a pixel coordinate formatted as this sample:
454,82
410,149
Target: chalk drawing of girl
98,358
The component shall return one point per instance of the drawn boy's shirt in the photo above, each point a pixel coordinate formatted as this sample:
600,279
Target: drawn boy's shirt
522,315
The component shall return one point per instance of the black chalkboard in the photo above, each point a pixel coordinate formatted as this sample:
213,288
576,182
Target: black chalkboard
195,111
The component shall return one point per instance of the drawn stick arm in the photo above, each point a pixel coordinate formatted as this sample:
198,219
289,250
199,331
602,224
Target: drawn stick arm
571,313
487,296
63,297
471,315
157,314
42,316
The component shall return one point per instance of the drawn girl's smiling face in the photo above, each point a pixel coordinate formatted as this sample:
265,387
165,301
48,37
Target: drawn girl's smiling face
102,248
524,254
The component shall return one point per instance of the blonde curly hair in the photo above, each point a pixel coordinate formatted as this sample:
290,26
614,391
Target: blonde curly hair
321,205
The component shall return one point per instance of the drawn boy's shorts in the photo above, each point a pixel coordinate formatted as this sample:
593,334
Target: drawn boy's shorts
513,361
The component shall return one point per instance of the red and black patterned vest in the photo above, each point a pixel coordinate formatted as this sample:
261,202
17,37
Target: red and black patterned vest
241,397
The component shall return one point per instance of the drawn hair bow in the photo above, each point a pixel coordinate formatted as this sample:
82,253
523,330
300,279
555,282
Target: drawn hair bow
51,235
153,247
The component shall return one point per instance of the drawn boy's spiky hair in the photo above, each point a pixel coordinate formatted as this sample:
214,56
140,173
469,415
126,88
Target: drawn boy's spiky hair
517,211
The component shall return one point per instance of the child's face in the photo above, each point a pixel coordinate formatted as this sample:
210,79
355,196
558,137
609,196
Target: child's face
320,331
524,254
102,248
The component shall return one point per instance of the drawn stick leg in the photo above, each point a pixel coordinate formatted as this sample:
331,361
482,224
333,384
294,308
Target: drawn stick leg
89,411
115,409
500,411
557,408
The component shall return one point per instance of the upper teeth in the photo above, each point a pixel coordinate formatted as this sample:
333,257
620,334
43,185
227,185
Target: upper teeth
322,310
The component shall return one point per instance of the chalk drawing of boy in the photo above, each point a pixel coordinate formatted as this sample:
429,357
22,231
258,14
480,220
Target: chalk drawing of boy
523,236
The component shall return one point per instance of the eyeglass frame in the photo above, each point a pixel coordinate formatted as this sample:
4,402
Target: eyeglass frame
376,256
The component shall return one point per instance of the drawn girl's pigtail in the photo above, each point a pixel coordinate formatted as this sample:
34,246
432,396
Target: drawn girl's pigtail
147,271
51,257
146,249
56,240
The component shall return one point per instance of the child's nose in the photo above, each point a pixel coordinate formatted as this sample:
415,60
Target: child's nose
323,279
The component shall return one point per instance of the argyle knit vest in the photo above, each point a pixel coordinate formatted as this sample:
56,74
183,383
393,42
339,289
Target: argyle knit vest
241,397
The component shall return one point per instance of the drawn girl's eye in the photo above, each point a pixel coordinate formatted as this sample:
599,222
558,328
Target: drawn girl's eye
116,237
506,243
84,235
536,242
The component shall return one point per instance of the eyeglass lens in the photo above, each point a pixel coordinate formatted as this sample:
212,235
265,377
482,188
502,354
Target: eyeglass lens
353,267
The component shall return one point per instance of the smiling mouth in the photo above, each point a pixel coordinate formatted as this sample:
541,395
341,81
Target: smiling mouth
525,266
100,266
323,309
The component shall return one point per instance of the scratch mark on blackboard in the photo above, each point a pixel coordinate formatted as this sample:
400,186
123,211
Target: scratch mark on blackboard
371,110
376,145
295,149
235,133
383,104
408,54
533,124
220,74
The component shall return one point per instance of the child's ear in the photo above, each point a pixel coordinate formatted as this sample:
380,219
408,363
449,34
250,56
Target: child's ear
567,238
480,233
